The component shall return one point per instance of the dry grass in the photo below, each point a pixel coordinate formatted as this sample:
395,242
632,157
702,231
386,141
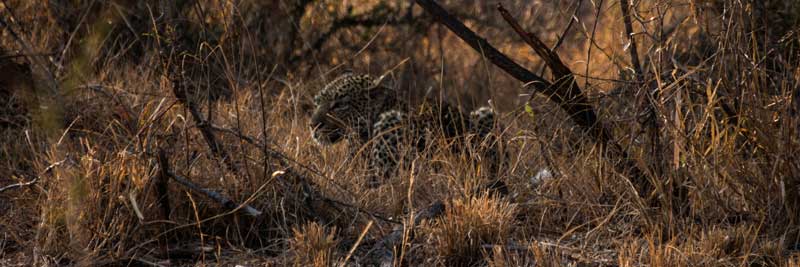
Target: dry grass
93,107
313,245
467,225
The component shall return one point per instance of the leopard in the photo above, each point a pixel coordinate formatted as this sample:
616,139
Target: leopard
365,111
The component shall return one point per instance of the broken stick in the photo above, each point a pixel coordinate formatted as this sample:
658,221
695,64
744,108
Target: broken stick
194,188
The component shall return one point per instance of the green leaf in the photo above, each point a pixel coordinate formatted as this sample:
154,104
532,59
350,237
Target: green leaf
529,110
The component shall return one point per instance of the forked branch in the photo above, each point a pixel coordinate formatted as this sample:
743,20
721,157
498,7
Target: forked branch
565,92
572,101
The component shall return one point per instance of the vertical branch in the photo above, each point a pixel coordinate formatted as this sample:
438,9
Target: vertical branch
162,196
162,189
650,121
180,91
572,20
626,18
591,41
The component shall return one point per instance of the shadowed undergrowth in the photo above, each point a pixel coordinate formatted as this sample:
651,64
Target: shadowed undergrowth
88,100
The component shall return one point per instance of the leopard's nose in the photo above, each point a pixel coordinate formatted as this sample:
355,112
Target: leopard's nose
315,121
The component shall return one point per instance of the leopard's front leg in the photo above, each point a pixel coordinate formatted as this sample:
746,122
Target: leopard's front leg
385,153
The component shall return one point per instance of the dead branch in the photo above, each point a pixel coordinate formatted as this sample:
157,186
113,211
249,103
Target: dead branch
162,182
375,17
34,180
626,18
650,121
572,101
569,97
561,73
275,155
219,198
194,188
564,78
572,20
180,90
563,35
21,184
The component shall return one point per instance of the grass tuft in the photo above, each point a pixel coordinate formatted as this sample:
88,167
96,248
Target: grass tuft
469,224
314,245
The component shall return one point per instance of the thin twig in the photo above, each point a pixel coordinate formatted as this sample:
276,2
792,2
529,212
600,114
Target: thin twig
34,180
569,26
5,57
274,154
591,38
17,185
561,73
563,35
358,242
650,122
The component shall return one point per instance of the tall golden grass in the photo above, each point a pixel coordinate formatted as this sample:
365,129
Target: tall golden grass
96,106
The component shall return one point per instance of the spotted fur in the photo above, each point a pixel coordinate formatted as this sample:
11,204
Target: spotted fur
358,108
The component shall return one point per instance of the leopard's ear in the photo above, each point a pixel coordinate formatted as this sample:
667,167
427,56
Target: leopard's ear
384,98
386,81
382,92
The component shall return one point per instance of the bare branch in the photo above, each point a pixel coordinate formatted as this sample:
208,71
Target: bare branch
569,26
572,101
626,18
34,180
219,198
566,93
180,91
21,184
376,17
307,184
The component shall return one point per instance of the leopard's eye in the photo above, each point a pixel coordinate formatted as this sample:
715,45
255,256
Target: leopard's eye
340,110
338,106
317,99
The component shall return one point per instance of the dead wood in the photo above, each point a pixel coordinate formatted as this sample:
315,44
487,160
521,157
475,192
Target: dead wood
626,18
194,188
180,90
565,92
34,180
162,183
